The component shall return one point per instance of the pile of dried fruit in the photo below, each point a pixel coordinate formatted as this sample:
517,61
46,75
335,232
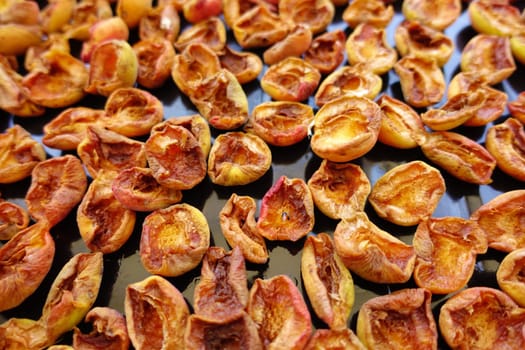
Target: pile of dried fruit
133,178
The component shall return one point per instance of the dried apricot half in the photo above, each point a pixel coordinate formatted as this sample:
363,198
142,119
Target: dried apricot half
510,275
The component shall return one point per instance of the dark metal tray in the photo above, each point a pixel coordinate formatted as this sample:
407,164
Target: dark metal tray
124,266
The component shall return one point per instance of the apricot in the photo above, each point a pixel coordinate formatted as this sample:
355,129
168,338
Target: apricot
245,65
221,294
132,11
460,156
239,227
57,186
422,81
13,218
156,314
291,79
174,240
401,126
294,44
326,52
103,149
339,189
357,80
402,319
69,127
238,158
280,123
195,11
500,218
506,143
161,21
346,128
372,253
196,124
333,338
488,56
491,317
136,189
175,157
327,281
20,154
368,45
113,65
105,225
26,259
315,14
517,107
210,32
488,17
436,15
109,330
132,112
102,30
376,12
280,313
287,210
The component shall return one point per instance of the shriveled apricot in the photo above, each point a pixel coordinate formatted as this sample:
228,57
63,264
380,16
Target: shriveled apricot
280,123
327,281
501,219
291,79
20,154
460,156
85,14
517,107
161,21
13,218
14,99
401,125
368,45
156,314
233,9
221,294
174,240
436,15
57,186
280,313
506,143
422,81
58,81
196,124
287,210
136,189
156,57
103,222
238,158
105,29
495,18
240,333
132,112
510,275
113,65
245,65
103,149
371,252
69,127
294,44
221,99
196,62
176,158
108,330
488,56
326,52
35,55
210,32
376,12
446,250
238,225
315,14
339,189
334,338
72,294
401,320
56,14
482,318
131,11
25,260
420,40
259,27
195,11
19,37
357,80
346,128
22,333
